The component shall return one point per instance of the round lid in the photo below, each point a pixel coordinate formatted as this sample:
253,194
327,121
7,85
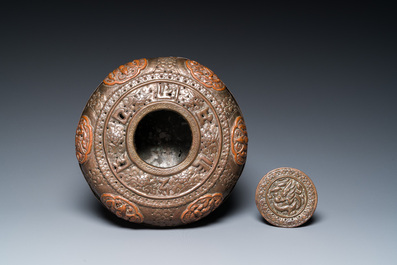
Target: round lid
286,197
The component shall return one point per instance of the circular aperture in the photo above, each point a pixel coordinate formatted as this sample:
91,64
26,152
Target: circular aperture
163,138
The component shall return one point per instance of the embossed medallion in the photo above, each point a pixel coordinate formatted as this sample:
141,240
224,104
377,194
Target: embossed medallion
125,72
239,141
162,139
286,197
201,207
83,139
205,76
122,207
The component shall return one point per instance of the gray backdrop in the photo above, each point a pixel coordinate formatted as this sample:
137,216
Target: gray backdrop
317,87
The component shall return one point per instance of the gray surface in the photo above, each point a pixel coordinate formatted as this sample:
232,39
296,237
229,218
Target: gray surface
317,86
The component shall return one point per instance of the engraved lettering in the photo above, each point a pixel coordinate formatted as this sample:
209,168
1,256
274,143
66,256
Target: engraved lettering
121,115
121,163
167,91
164,185
203,116
203,163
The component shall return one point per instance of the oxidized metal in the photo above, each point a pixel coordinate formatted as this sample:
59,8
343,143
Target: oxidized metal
286,197
161,141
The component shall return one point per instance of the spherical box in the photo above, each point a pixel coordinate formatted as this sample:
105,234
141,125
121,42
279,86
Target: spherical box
161,141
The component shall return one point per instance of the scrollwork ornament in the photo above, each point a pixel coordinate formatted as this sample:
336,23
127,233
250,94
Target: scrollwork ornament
229,179
122,207
94,177
83,139
201,207
125,72
166,64
205,76
239,140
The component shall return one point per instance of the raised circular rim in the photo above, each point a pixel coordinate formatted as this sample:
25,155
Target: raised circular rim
160,170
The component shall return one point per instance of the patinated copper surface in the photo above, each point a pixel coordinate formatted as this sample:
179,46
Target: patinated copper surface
286,197
161,141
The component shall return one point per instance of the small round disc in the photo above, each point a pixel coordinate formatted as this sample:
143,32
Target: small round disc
286,197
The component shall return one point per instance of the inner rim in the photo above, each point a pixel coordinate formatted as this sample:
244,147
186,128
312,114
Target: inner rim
163,138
